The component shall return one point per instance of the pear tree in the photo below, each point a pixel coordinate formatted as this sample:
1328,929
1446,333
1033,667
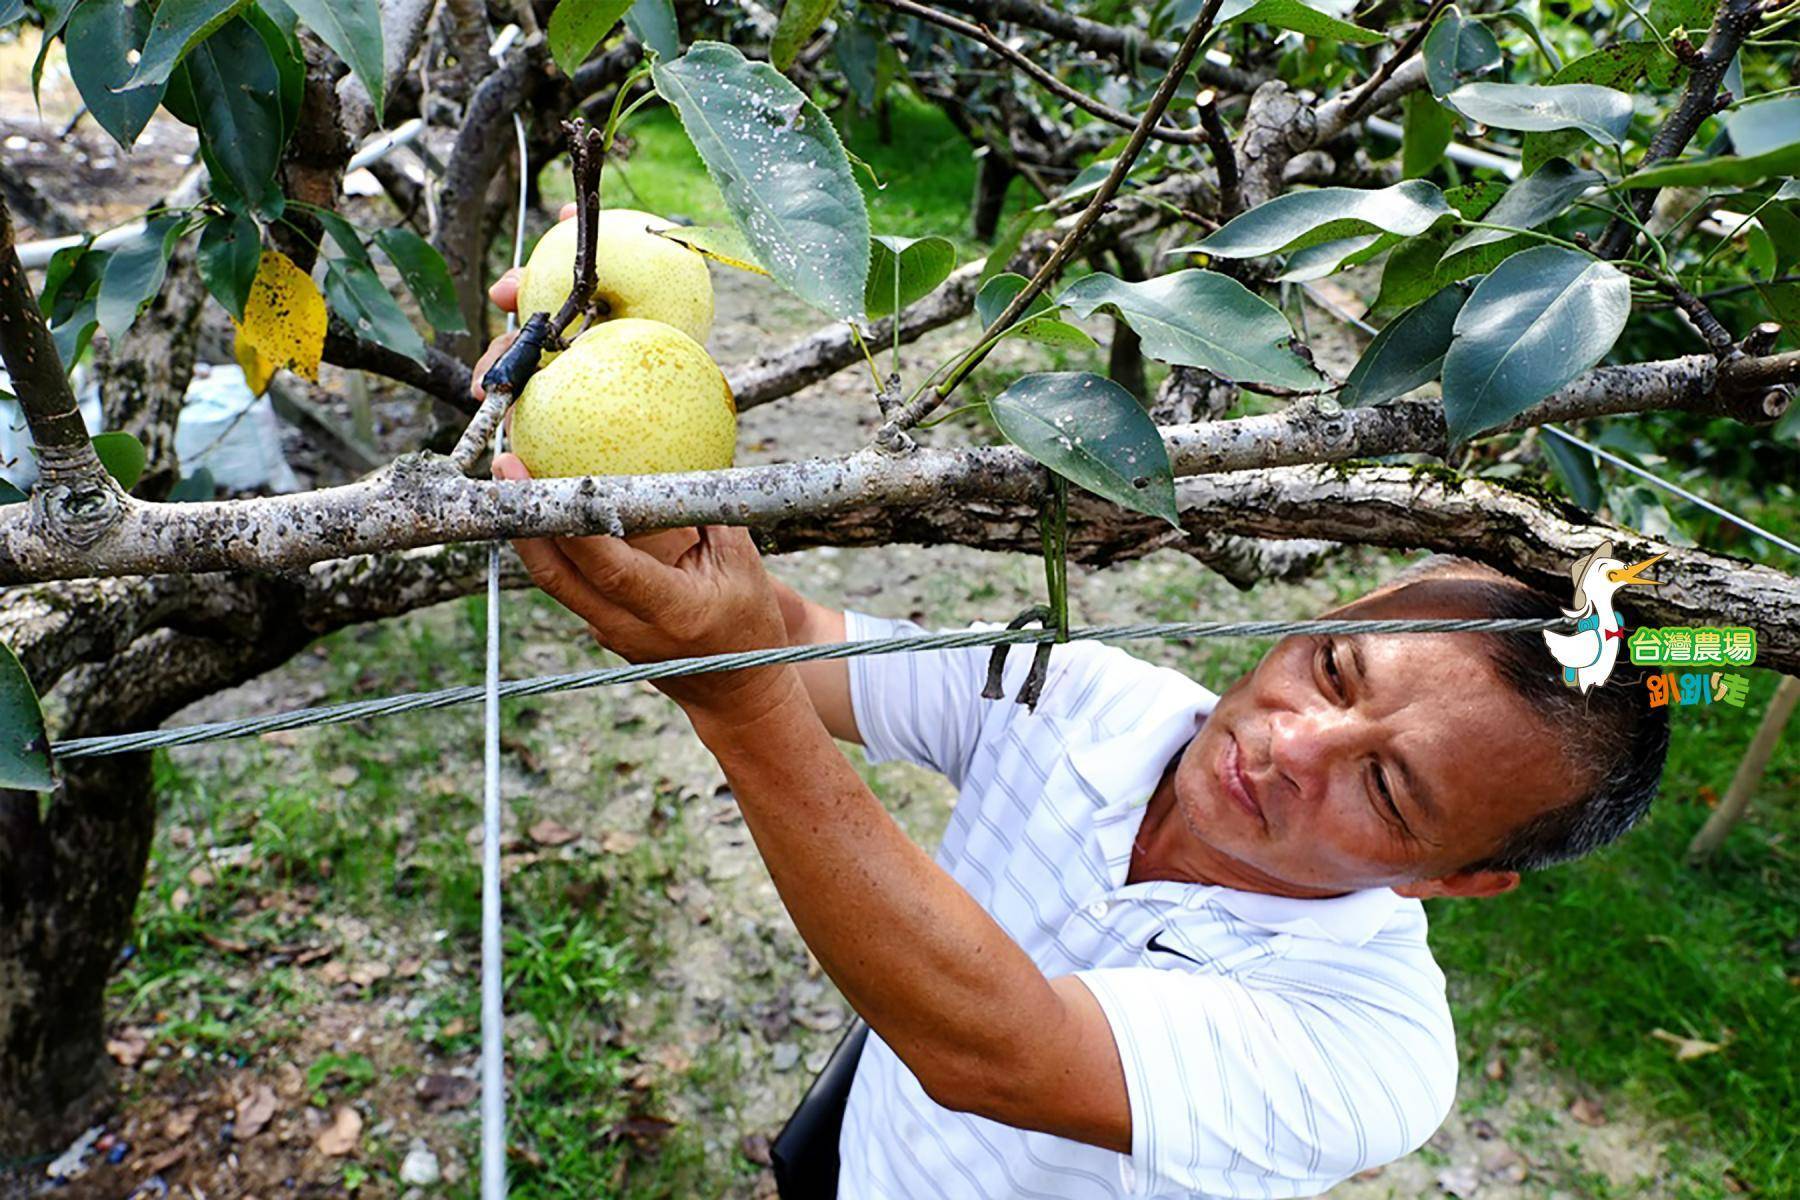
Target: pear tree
1546,222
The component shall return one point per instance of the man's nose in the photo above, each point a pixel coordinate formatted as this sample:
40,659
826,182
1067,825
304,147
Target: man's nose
1303,745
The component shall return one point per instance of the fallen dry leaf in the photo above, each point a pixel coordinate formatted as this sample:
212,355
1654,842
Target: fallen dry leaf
342,776
366,973
312,955
200,877
163,1160
1495,1069
1459,1181
344,1134
408,967
128,1048
618,841
280,737
1687,1048
255,1111
178,900
1588,1112
548,832
179,1123
438,1092
225,944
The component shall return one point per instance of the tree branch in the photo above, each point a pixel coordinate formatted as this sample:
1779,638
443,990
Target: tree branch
1366,94
421,500
1734,21
1115,41
1044,79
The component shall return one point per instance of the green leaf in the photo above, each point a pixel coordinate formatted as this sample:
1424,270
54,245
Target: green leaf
1542,318
134,275
100,35
576,27
1313,20
1046,330
72,274
189,488
1456,51
10,494
800,19
236,90
1574,466
1781,222
426,276
1695,16
1326,258
358,296
783,173
230,248
24,745
857,51
352,28
177,27
10,11
902,270
55,14
290,63
653,23
1765,126
1407,353
1531,201
1602,113
1200,319
1093,433
1621,65
1300,219
344,235
993,297
122,455
1426,128
1411,273
1725,170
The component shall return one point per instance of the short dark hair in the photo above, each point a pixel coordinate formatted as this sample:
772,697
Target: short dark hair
1610,733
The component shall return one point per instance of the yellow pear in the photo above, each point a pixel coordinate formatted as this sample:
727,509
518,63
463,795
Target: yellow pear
628,397
636,273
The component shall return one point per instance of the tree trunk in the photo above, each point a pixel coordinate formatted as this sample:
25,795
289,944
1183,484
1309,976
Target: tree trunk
993,175
68,884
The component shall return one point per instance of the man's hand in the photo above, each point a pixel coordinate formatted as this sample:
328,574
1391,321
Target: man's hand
713,598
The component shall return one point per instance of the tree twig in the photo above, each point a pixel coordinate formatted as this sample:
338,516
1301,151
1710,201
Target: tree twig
1735,21
981,33
75,496
1358,102
891,436
1224,156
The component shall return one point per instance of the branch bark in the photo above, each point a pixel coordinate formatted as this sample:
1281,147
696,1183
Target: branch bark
420,500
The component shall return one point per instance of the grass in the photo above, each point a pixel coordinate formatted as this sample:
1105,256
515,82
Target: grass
1583,962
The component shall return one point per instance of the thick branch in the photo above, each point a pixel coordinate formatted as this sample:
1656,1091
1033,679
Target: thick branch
1734,21
422,501
36,369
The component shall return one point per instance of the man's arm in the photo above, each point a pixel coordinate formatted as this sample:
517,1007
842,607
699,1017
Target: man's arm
827,682
964,1007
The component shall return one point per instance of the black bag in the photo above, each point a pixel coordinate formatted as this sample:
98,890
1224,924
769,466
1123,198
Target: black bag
805,1155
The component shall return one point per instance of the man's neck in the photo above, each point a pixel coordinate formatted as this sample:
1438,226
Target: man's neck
1167,847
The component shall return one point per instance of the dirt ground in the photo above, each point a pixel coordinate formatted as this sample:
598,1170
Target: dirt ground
737,1017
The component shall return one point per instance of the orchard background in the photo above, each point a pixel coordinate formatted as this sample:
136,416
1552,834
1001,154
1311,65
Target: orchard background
287,1003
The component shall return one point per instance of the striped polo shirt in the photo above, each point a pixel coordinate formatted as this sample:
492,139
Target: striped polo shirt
1272,1047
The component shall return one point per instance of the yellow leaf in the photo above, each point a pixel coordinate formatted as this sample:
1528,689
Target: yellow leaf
1687,1048
284,322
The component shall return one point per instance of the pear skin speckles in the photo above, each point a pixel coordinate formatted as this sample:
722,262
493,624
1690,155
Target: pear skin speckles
629,397
638,274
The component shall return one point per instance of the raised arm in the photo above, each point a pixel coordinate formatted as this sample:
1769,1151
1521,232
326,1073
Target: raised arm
827,683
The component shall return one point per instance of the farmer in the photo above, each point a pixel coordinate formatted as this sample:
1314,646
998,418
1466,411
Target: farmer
1172,942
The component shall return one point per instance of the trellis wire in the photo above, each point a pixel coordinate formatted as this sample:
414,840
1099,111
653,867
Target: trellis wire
383,706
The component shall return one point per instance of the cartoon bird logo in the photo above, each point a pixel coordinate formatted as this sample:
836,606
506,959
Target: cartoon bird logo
1587,655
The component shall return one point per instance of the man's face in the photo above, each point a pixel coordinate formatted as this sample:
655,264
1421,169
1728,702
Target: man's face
1347,762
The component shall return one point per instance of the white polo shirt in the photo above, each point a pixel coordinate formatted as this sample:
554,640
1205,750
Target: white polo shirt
1272,1047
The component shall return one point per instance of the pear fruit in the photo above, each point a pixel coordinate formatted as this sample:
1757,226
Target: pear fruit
636,273
628,397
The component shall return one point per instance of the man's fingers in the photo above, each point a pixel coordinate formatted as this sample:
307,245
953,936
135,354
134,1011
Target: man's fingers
563,582
623,574
505,291
489,357
568,210
730,546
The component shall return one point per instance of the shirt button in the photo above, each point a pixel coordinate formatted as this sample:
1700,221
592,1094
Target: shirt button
1098,908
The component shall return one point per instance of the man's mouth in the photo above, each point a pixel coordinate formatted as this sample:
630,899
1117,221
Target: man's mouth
1235,783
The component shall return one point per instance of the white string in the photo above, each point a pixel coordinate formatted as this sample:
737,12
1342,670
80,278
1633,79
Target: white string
493,978
1336,310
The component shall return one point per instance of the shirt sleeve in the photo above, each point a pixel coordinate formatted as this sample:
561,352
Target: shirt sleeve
926,708
1238,1090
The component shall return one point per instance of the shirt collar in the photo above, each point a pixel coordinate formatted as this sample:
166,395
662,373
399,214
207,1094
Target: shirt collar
1124,769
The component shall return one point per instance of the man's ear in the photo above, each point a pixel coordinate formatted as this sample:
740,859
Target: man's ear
1462,883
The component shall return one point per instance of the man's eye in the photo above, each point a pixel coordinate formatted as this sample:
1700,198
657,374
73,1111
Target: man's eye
1331,669
1387,795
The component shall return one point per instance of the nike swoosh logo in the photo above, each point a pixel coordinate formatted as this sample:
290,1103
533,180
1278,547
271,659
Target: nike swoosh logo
1156,943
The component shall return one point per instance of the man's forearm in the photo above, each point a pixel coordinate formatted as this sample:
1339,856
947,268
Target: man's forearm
912,951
